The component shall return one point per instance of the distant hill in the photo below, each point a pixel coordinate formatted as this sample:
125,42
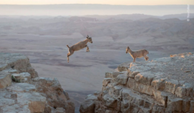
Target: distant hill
92,9
136,28
179,16
182,16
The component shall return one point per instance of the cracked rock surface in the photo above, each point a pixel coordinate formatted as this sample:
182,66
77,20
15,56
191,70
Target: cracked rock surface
163,85
22,91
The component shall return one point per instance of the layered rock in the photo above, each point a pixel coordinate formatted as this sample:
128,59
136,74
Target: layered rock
22,91
164,85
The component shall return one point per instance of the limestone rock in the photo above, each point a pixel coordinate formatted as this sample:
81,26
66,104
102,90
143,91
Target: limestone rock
60,110
123,67
5,79
121,79
32,72
22,77
51,88
22,87
106,81
29,93
112,75
110,101
89,105
35,101
144,78
164,85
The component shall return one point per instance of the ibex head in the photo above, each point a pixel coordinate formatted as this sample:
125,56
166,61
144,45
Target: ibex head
89,39
127,49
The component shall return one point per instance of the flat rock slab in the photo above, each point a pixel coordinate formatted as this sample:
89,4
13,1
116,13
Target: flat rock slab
13,60
22,87
178,68
22,102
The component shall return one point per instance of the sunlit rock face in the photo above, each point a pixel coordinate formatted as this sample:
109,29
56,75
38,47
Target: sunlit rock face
163,85
22,91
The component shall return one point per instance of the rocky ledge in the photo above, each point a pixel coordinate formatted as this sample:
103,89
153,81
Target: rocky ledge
164,85
22,91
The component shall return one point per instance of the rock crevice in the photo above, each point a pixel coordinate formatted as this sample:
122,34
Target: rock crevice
23,91
164,85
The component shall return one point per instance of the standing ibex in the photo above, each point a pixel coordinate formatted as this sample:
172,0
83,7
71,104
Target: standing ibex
78,46
137,54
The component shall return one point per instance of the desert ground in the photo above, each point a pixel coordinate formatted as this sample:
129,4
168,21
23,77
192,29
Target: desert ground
44,41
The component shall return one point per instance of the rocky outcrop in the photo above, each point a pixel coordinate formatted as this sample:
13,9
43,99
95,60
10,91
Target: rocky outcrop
164,85
22,91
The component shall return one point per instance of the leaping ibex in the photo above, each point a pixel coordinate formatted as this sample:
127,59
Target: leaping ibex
137,54
78,46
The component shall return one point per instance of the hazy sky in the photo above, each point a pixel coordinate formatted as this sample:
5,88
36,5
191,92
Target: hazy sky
113,2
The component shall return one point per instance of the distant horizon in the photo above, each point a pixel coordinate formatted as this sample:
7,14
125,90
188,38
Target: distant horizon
92,9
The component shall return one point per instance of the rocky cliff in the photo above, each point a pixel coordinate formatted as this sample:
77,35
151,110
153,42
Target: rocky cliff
22,91
164,85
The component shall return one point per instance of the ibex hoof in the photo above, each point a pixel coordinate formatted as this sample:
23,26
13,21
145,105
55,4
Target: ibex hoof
88,51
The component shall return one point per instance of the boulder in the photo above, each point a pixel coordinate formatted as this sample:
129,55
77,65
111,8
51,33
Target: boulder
5,79
89,105
121,79
22,91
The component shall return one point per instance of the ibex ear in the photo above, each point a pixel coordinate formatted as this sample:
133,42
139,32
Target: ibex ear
87,36
128,47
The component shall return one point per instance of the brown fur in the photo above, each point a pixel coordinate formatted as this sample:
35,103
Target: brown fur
137,54
78,46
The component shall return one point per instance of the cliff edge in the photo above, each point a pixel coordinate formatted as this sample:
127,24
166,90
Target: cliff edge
22,91
164,85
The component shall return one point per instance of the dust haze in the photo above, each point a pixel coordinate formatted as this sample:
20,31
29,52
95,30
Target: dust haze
42,33
92,9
